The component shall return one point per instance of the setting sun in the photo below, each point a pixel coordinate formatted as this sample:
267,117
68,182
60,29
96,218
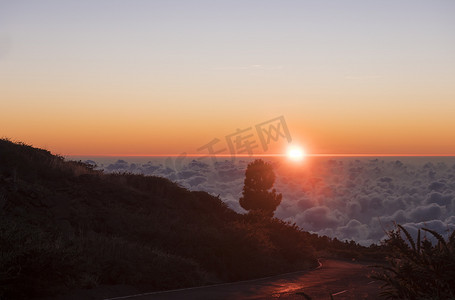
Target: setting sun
295,153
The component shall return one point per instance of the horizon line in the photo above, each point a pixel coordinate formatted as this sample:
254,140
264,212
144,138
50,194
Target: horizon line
269,155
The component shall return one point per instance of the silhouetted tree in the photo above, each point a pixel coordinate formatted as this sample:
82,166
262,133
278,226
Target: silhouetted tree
258,195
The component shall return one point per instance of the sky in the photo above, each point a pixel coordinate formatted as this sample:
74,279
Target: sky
166,77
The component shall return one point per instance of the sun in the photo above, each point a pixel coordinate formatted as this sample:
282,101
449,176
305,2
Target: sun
295,153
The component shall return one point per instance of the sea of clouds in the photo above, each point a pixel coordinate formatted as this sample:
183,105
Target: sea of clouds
347,198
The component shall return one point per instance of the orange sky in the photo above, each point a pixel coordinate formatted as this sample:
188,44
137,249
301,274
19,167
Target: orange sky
152,78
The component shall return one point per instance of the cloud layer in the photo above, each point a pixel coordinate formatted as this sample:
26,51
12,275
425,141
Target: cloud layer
345,198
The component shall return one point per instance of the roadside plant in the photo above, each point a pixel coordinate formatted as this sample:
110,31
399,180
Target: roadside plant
418,269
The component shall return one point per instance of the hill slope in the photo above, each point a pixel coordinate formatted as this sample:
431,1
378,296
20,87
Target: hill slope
64,225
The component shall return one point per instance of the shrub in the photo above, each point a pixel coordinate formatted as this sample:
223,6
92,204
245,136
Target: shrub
418,269
31,258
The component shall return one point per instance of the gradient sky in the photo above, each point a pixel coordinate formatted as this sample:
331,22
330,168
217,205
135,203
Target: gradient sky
159,77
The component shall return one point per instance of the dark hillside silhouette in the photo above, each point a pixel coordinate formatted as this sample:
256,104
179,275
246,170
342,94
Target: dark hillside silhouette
63,217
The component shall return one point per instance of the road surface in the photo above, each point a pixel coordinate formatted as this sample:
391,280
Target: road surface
342,280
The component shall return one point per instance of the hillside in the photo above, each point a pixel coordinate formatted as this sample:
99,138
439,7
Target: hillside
64,225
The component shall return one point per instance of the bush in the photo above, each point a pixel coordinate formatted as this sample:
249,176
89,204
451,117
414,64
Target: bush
32,258
418,270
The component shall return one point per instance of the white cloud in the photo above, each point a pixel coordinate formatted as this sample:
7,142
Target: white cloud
347,198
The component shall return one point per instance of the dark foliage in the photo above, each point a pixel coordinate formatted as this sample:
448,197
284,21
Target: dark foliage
418,269
64,225
258,195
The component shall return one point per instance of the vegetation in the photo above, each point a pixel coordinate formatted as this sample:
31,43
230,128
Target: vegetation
258,195
418,269
64,225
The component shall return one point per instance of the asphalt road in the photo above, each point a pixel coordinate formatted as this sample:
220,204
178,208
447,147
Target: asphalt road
342,280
